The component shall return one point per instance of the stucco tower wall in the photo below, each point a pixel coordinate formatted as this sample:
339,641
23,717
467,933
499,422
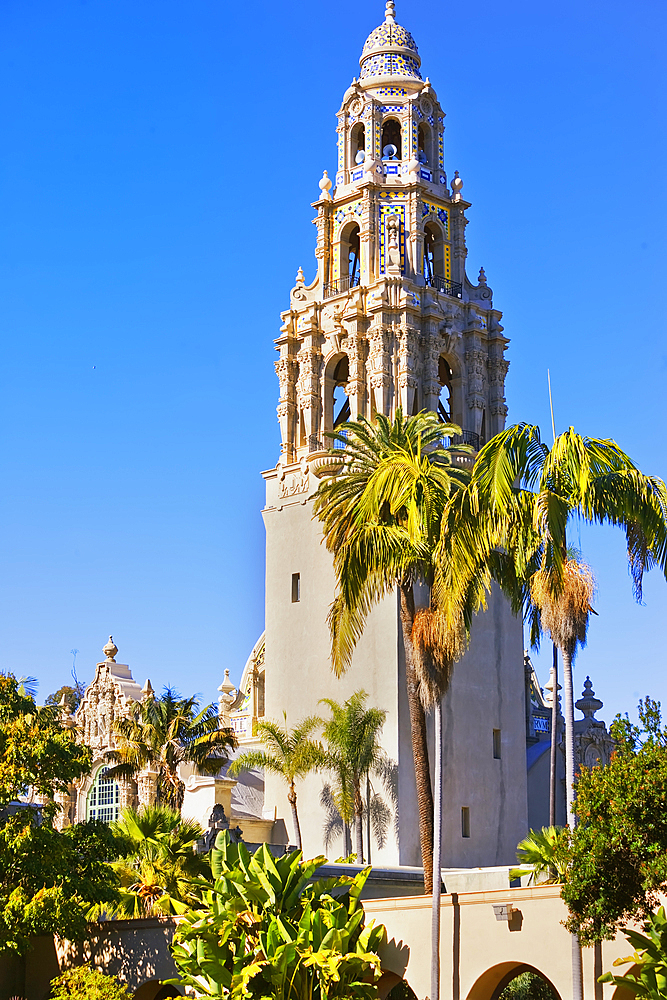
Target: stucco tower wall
486,694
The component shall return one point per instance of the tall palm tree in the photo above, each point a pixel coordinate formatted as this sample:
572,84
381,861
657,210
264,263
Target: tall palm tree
534,492
289,753
163,733
381,521
355,754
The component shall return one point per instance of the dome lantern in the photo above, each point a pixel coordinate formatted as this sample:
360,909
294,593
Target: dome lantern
389,53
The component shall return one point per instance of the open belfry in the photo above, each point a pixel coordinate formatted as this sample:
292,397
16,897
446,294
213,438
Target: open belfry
391,320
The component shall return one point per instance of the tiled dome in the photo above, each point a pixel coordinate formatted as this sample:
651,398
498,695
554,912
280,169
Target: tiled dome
390,50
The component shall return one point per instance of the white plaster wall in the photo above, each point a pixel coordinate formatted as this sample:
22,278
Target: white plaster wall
487,692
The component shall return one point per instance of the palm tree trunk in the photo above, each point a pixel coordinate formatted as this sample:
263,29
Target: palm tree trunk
569,735
437,856
359,823
568,691
554,737
291,798
418,734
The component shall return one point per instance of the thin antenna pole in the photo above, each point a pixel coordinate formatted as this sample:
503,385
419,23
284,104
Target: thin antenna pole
551,404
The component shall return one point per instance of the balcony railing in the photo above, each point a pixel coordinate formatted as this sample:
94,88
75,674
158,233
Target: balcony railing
466,437
343,284
454,288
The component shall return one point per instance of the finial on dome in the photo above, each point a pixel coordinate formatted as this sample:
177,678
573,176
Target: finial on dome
389,14
110,650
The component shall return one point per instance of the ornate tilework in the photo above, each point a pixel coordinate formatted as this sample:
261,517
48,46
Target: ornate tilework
389,34
428,208
378,140
390,64
392,92
387,109
398,208
441,150
415,137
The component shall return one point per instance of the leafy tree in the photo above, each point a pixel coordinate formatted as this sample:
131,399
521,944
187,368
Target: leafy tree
381,521
648,978
48,879
89,983
72,696
158,863
289,753
617,855
355,754
541,851
528,986
263,929
36,750
163,733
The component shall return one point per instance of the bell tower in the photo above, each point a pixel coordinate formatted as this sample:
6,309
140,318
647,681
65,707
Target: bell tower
391,320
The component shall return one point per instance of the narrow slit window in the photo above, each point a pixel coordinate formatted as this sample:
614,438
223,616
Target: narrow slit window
496,744
465,821
296,588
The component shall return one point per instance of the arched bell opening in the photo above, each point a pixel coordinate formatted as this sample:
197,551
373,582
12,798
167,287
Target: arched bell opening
336,401
392,144
424,140
445,400
350,257
513,981
103,799
358,144
434,253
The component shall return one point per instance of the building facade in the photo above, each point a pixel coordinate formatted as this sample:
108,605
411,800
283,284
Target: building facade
391,320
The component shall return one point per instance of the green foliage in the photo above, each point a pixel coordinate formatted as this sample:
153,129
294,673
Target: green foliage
401,991
263,930
648,977
158,863
527,986
49,879
617,858
72,695
542,854
163,733
89,983
36,750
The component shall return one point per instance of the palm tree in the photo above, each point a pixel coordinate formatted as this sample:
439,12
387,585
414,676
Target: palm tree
535,491
539,851
290,753
163,733
355,754
159,862
381,521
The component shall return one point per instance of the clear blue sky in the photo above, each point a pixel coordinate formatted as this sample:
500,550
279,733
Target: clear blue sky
158,163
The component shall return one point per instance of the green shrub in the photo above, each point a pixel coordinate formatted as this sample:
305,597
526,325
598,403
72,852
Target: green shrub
89,983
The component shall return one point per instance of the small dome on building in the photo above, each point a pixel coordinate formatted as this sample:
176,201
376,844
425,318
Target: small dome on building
390,50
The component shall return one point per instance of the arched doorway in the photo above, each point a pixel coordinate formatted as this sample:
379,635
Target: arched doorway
513,981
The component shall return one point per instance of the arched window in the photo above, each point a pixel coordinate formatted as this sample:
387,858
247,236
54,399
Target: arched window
391,140
445,401
358,143
424,143
350,263
341,404
103,801
434,253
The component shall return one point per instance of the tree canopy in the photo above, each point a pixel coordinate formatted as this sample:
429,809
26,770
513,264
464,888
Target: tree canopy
617,855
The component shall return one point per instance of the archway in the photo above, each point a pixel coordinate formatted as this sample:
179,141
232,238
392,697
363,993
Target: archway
358,143
155,990
350,257
513,981
103,799
434,255
336,403
424,143
391,136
